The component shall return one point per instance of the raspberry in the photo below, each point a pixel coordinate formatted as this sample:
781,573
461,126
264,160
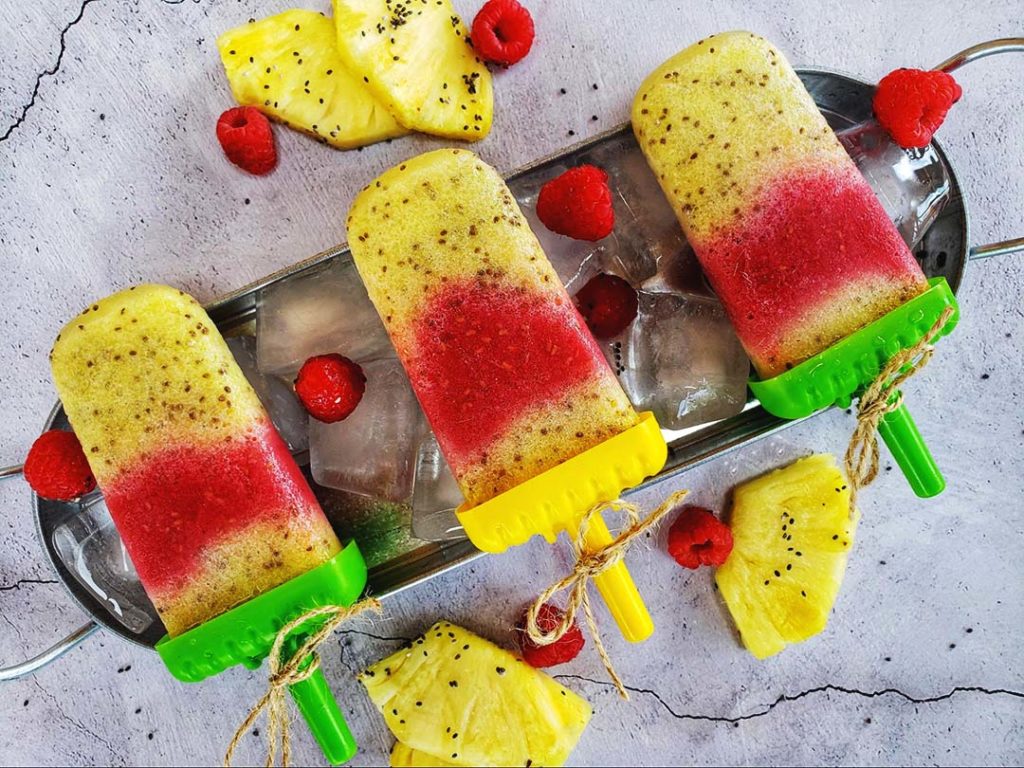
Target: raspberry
699,538
578,204
912,103
247,139
562,650
56,467
503,31
330,387
608,304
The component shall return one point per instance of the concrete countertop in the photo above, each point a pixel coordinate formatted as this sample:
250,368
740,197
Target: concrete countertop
110,174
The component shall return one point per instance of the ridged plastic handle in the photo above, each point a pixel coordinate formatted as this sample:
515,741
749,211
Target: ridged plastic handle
322,714
901,435
617,588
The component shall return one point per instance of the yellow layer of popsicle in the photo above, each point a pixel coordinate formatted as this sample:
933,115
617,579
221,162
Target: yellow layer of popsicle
244,566
688,114
202,396
462,222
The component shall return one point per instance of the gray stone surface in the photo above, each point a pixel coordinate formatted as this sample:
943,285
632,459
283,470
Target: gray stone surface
110,174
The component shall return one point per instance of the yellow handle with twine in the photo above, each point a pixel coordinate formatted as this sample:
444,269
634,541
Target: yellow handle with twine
603,559
599,557
553,501
287,670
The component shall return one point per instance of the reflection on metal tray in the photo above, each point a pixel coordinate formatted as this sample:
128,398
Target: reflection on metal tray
845,100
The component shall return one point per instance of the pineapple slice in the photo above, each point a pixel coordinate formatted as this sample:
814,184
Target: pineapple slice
288,67
404,756
417,59
454,697
791,532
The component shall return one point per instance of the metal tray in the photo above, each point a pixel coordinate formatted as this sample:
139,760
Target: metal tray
844,99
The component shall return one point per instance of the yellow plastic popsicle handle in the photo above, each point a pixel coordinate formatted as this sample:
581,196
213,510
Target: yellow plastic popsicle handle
616,586
556,501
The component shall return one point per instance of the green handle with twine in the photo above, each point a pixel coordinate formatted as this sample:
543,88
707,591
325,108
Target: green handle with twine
283,625
908,448
871,364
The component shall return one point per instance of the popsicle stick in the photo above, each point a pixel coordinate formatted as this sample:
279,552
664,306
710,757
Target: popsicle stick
322,714
617,588
901,435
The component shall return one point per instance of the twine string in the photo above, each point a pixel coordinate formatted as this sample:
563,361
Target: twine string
590,564
881,398
285,672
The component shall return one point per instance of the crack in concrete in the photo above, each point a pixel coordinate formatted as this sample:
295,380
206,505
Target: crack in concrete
47,72
373,636
387,638
22,582
13,626
78,725
786,698
341,658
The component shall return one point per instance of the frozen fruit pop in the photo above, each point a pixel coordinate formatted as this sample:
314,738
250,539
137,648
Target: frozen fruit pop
789,233
507,373
212,508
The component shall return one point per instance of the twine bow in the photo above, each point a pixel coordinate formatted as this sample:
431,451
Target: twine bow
881,398
286,672
590,564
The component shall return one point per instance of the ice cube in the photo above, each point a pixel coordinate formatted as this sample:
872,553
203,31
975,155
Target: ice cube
91,549
373,451
679,272
276,393
683,361
912,184
646,230
317,313
435,496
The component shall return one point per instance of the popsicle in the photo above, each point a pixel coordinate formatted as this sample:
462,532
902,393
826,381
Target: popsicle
789,233
506,371
212,508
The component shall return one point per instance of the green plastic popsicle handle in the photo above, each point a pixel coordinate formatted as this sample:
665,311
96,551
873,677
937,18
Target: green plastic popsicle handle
245,635
907,446
324,718
841,372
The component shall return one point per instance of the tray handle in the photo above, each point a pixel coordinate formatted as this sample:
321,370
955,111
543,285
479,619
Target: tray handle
12,471
1004,248
954,62
981,50
59,648
52,653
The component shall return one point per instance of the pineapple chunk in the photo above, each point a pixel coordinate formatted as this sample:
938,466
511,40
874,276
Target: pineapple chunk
417,59
288,67
791,531
454,697
404,756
